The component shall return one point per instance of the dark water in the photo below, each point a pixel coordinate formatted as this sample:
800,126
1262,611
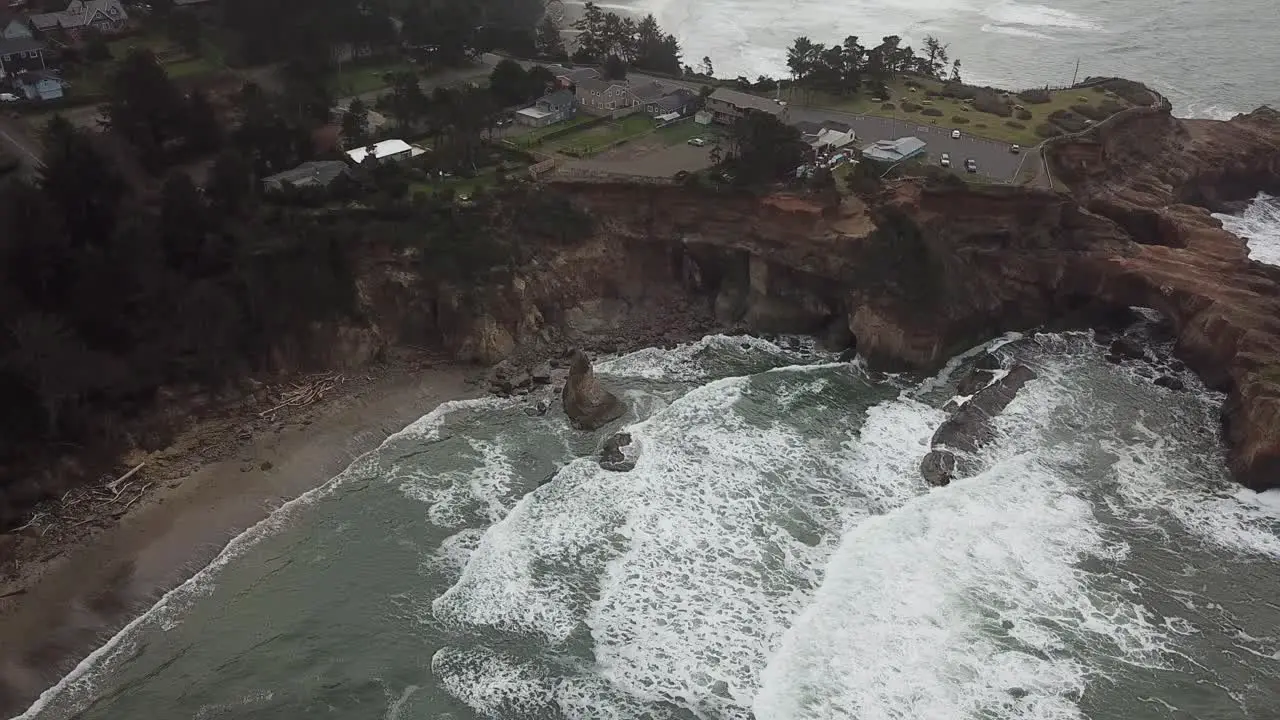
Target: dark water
1212,59
773,554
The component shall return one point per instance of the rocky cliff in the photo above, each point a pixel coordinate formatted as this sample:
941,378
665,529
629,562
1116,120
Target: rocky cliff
919,271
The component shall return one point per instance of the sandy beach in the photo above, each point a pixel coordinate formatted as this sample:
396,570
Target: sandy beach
71,593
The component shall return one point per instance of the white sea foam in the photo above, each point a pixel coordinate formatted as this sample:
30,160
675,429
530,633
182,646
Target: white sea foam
1155,479
82,679
1014,31
697,559
698,360
961,602
1031,15
478,492
1259,226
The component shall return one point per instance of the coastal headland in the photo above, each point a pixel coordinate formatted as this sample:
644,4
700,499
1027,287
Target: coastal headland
908,272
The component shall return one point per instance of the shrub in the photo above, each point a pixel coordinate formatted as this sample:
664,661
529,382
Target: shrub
1068,120
989,102
888,106
959,91
1099,89
931,112
1089,111
932,94
913,84
1023,114
959,119
1015,124
1035,96
1111,107
980,126
1045,130
1134,92
908,106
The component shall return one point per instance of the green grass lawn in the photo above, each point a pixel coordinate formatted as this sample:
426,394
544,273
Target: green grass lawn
487,178
685,130
357,79
532,137
601,137
978,123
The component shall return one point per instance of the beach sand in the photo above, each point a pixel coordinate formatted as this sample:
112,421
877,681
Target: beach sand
63,604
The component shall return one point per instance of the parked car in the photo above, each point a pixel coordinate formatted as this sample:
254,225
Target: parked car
697,142
971,165
1015,149
946,160
8,97
955,134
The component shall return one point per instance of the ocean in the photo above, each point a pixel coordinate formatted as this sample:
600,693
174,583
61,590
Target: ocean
1211,59
774,554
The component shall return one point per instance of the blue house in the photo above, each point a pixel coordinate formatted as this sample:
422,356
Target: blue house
40,85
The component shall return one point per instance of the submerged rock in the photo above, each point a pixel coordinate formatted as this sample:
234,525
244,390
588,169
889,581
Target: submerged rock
1168,381
977,379
1124,347
970,428
586,402
612,457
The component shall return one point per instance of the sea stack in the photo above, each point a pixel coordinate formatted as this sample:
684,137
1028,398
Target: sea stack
588,405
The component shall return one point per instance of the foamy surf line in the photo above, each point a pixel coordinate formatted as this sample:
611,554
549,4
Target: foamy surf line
80,676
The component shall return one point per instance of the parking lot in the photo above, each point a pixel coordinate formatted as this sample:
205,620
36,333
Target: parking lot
995,160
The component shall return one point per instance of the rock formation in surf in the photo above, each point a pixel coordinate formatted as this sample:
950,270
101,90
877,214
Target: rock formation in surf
970,428
586,402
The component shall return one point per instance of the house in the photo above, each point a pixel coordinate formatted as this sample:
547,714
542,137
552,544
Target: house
397,150
319,174
646,92
22,53
40,85
680,102
603,96
826,136
549,109
894,151
105,16
568,77
14,26
726,106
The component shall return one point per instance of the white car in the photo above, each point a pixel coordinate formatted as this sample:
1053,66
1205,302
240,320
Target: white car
945,161
8,97
697,142
1015,149
955,134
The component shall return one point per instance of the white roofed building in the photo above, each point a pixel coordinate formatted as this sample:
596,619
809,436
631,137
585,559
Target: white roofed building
397,150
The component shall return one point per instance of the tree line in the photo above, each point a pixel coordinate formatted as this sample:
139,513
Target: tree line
603,36
849,66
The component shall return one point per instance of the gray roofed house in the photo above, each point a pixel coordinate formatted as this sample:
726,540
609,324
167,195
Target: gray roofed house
549,109
572,76
647,92
894,151
603,96
319,174
13,25
680,102
22,53
106,16
726,106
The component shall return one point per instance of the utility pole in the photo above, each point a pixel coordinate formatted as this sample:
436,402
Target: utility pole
1075,74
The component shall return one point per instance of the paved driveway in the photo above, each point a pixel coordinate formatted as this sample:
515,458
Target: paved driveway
994,158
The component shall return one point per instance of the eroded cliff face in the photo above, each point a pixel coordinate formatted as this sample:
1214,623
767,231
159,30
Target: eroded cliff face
917,273
1159,176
